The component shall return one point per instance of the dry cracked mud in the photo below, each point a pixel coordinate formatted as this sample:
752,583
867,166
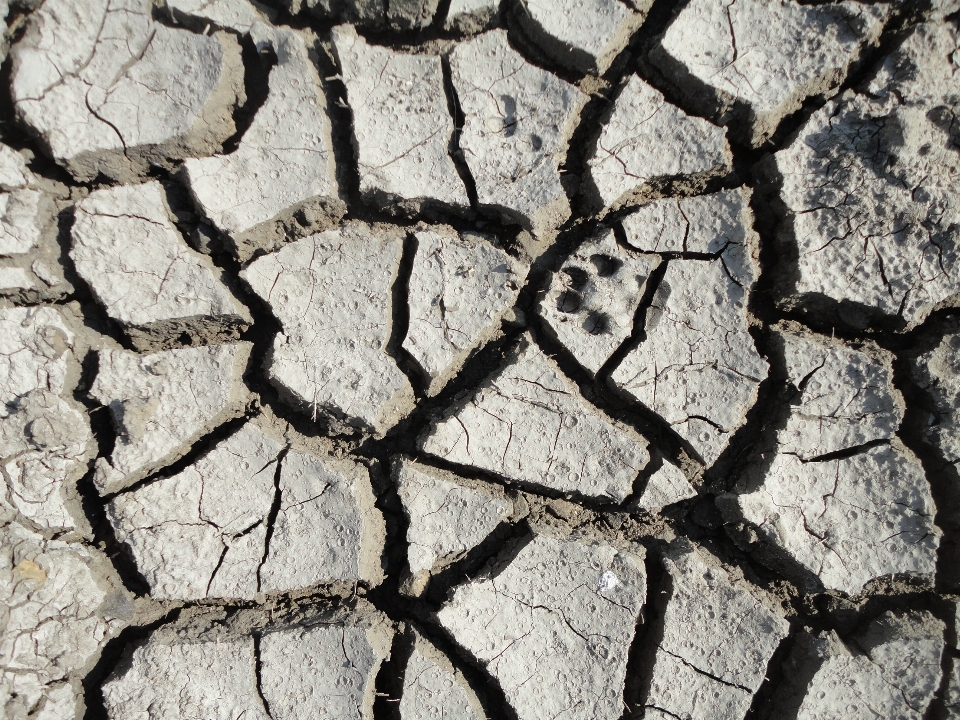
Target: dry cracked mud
480,359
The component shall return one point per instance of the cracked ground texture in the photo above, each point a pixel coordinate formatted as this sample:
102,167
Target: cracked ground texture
480,359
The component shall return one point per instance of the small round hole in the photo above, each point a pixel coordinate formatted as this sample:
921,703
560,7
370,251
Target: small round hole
605,265
597,323
577,277
569,301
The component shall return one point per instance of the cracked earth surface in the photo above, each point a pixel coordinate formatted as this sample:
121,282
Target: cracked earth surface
480,359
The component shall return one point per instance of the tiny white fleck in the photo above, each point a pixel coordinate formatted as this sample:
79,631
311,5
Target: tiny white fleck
608,581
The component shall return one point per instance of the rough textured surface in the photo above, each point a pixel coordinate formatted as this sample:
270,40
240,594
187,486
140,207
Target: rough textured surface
591,302
698,367
200,533
553,625
907,648
460,287
108,90
14,173
239,15
326,504
583,35
427,328
708,224
890,669
22,220
45,438
215,680
469,16
703,670
324,671
870,215
61,602
401,125
411,14
645,141
357,11
162,403
938,372
528,423
848,520
447,518
30,257
284,164
845,398
15,278
332,295
375,15
518,120
283,673
666,486
128,250
751,63
433,689
952,710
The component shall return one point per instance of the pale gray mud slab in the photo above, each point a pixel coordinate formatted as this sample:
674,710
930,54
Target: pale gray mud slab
30,264
528,423
553,625
698,367
401,125
62,601
704,225
447,515
646,140
284,165
666,486
326,505
320,666
951,693
583,35
201,533
848,520
591,301
871,219
891,669
108,90
14,173
126,247
845,397
433,689
215,680
163,403
938,372
30,267
238,15
332,294
324,671
518,121
461,286
748,64
45,438
702,670
22,221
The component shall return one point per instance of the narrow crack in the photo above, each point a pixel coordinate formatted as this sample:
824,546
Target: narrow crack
403,437
271,517
258,670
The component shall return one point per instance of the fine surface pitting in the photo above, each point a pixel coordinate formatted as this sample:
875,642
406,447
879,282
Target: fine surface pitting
533,359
